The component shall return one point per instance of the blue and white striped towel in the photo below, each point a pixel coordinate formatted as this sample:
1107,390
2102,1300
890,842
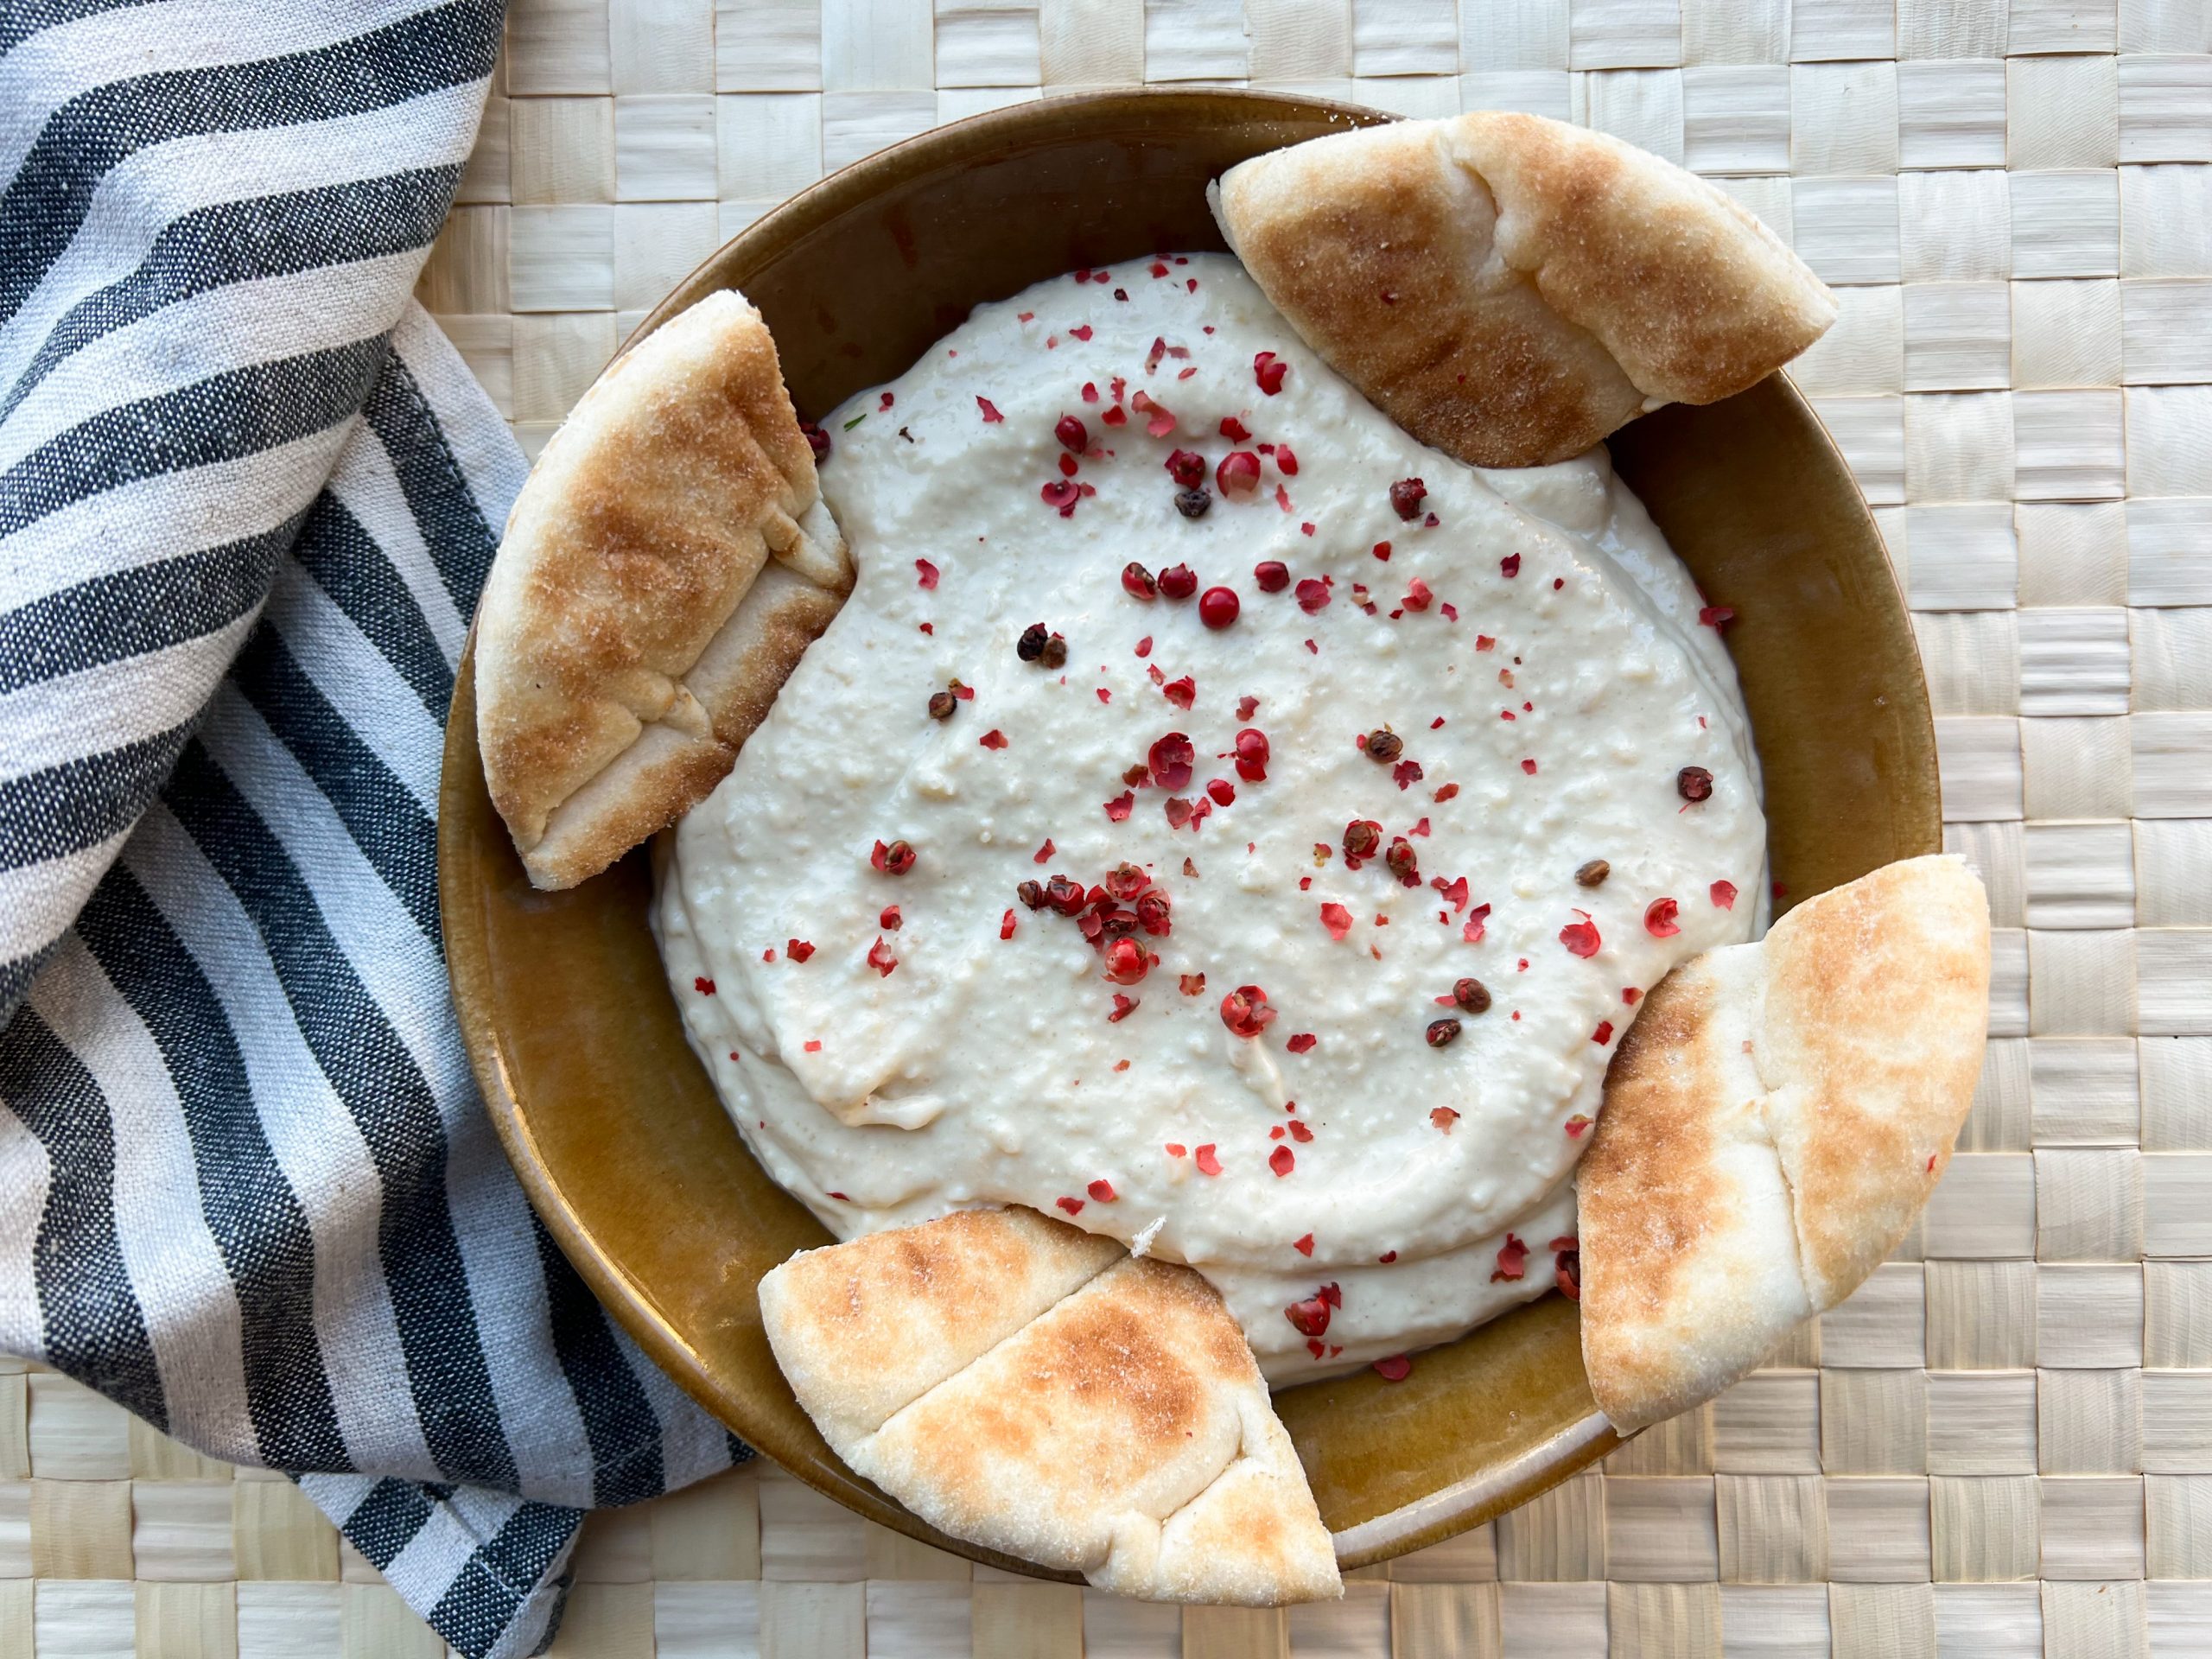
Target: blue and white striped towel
248,495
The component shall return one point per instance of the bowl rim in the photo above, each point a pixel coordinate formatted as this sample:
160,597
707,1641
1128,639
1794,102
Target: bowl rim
1427,1519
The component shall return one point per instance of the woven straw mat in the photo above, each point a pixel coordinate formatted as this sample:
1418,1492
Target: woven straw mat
2002,1446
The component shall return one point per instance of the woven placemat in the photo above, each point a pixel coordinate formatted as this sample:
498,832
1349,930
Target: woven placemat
2003,1446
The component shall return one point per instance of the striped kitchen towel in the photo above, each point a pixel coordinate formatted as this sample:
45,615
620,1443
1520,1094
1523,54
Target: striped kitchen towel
248,496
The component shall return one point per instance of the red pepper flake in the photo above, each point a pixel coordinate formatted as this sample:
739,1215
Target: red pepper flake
1282,1160
1005,924
1512,1260
1395,1368
1631,996
800,950
1303,1043
1419,595
1123,1008
1283,497
1073,1206
1312,596
1931,1163
926,627
1119,808
1105,695
1528,766
1245,1011
991,415
1233,429
1161,419
769,955
1407,773
1716,617
1043,853
1724,895
994,739
1580,938
1082,331
1449,791
1115,417
1387,1257
1336,919
1472,933
926,572
1604,1034
1269,370
1576,1124
1287,464
813,1045
880,958
705,986
1090,387
1509,566
1176,1149
1303,1246
1207,1162
1455,891
1102,1191
1659,919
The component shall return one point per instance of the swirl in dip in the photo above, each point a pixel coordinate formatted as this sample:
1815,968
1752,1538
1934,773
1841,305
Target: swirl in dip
1358,1178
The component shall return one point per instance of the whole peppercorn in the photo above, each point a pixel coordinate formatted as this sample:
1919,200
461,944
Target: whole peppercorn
1186,468
1273,575
1063,895
1694,784
1406,497
1218,608
1030,645
1593,874
1362,837
1472,994
1056,652
1442,1033
1402,859
1193,502
942,703
1384,745
1031,894
1072,434
1179,582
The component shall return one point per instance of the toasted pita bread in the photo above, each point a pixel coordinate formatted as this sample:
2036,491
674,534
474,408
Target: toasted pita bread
662,570
1774,1120
1036,1390
1510,289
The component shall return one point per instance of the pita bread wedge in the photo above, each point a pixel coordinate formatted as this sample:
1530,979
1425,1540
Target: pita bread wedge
1510,289
1039,1392
1774,1120
662,570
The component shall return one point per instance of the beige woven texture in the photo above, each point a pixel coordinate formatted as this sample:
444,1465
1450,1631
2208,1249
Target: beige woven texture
2003,1446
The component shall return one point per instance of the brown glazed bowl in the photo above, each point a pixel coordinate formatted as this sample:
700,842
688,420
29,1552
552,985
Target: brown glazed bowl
611,1123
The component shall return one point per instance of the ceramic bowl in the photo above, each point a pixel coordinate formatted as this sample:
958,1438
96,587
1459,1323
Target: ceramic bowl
611,1123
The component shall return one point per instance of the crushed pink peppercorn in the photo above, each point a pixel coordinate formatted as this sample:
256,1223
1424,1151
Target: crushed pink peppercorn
1393,1368
1723,895
1659,919
991,415
1269,370
1580,938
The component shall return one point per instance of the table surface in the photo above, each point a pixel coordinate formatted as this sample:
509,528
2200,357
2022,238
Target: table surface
2002,1446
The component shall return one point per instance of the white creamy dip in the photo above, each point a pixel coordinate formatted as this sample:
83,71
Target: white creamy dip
1529,640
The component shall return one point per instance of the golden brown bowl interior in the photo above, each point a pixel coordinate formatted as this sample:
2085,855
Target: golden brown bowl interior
611,1124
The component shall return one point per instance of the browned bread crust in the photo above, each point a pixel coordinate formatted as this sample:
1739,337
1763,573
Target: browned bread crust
1774,1120
1034,1390
1510,289
662,571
